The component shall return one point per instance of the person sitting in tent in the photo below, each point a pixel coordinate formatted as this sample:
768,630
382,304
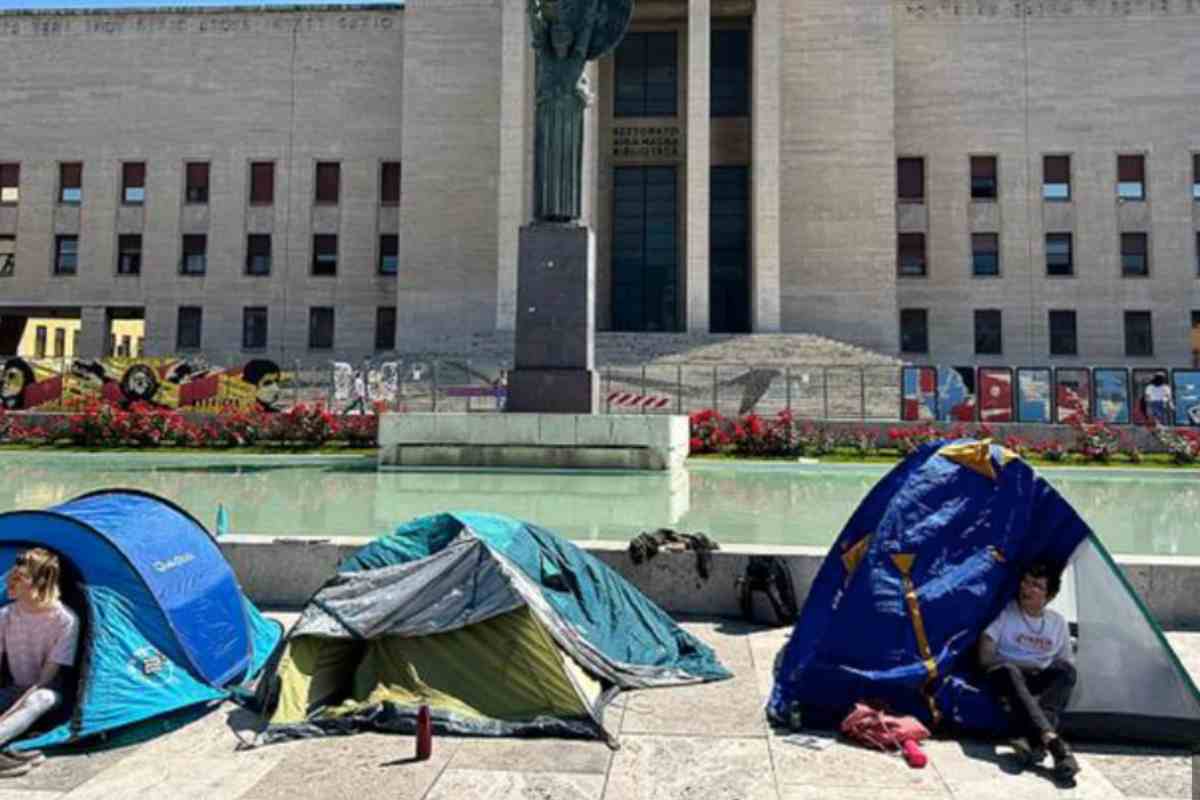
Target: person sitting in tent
1027,653
38,639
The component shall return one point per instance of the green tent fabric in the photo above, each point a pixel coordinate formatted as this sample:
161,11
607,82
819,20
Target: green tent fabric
502,628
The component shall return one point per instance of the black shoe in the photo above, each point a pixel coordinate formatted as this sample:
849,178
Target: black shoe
1026,755
1065,765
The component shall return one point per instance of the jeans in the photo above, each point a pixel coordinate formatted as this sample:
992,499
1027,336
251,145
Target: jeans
1159,411
18,718
1037,696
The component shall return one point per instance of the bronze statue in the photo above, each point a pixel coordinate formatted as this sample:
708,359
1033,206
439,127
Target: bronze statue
566,35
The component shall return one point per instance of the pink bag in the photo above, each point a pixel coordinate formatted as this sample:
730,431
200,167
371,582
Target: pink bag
886,732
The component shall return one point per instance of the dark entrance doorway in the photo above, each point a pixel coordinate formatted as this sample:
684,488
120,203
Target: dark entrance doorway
645,250
728,255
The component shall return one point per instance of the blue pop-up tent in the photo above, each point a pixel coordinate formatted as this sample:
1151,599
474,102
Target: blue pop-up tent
930,557
164,623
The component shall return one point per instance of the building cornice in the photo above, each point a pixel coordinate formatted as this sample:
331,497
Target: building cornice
397,5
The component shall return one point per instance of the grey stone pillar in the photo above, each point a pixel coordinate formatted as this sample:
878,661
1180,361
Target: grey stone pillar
93,332
699,38
765,119
512,187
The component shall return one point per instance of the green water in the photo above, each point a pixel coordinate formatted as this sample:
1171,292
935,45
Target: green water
1133,512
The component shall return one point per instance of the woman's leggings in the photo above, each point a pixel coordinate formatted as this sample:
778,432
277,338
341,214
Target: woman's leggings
27,710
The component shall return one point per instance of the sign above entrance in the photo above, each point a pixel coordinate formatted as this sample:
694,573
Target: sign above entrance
649,143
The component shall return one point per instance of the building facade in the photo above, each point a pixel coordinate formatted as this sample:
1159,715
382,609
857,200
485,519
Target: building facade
960,181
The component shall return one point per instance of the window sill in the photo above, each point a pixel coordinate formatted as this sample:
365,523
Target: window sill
910,276
190,204
390,205
1057,200
906,201
128,274
70,203
256,274
130,204
326,204
994,277
987,201
261,205
260,350
322,274
396,274
1140,276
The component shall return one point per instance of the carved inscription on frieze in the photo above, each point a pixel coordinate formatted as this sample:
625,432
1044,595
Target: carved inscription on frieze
949,10
126,25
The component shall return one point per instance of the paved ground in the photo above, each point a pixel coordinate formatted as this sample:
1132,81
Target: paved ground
697,743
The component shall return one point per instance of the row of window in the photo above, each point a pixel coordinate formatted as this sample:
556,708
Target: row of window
197,183
1056,178
989,335
647,74
189,332
912,260
194,258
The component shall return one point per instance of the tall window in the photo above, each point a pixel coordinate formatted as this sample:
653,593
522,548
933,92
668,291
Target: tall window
989,339
1196,176
729,70
60,342
1139,338
911,254
195,254
258,254
324,261
1135,255
66,255
389,254
196,190
914,330
385,328
320,328
985,254
1056,178
1197,254
328,177
389,184
39,342
187,331
1063,340
983,178
646,75
70,183
1131,177
262,183
254,328
1060,259
133,183
910,180
129,254
8,255
10,183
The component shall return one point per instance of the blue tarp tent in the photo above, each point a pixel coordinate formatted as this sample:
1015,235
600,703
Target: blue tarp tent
930,557
501,627
164,624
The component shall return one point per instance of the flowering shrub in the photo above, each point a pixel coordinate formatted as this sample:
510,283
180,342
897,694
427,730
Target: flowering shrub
907,440
98,424
1181,443
814,440
1095,441
709,431
860,441
1051,450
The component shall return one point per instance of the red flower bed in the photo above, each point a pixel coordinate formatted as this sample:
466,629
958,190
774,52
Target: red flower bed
101,425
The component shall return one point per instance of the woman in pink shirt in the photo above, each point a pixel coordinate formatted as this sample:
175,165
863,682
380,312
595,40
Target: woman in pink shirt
38,639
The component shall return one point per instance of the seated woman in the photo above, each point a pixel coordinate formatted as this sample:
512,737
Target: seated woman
38,639
1027,654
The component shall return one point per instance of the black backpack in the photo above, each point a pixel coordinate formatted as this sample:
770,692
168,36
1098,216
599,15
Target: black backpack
771,576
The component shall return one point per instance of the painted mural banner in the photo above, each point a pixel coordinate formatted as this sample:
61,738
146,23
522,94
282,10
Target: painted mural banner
956,394
1033,394
995,394
178,383
1072,395
1187,396
918,394
1111,395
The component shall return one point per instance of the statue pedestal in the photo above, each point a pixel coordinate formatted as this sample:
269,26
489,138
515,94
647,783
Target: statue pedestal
554,365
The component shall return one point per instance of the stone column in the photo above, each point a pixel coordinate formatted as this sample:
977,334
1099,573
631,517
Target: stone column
699,38
512,188
764,204
93,332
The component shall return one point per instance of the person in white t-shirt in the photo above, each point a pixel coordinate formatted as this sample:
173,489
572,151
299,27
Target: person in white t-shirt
1157,397
1030,665
38,639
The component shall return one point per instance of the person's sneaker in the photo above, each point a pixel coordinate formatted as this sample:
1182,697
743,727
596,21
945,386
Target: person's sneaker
31,757
1065,765
12,767
1027,755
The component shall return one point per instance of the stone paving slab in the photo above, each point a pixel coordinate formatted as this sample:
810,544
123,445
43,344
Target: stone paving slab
705,742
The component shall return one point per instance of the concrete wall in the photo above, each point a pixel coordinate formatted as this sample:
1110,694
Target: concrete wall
286,571
227,87
1019,80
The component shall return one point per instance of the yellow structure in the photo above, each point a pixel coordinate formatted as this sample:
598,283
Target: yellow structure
48,337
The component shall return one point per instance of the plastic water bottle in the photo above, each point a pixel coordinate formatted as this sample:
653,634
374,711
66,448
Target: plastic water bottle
424,734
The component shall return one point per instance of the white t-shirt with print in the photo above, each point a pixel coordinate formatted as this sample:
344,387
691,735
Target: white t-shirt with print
31,639
1030,641
1158,394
